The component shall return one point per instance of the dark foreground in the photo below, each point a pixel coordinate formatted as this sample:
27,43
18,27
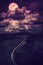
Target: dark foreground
29,54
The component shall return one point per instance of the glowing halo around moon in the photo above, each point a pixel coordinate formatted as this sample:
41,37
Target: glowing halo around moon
12,6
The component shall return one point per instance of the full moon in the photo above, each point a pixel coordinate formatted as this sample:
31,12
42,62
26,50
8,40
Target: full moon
13,6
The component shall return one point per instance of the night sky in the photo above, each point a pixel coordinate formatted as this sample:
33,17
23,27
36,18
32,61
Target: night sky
30,4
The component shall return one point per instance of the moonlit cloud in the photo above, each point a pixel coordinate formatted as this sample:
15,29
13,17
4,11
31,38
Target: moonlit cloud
18,20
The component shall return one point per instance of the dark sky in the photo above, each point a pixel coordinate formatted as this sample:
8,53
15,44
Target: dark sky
28,3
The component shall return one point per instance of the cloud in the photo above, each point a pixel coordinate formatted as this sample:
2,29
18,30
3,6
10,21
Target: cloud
20,19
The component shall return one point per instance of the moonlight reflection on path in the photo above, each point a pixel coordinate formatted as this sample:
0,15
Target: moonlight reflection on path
16,49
